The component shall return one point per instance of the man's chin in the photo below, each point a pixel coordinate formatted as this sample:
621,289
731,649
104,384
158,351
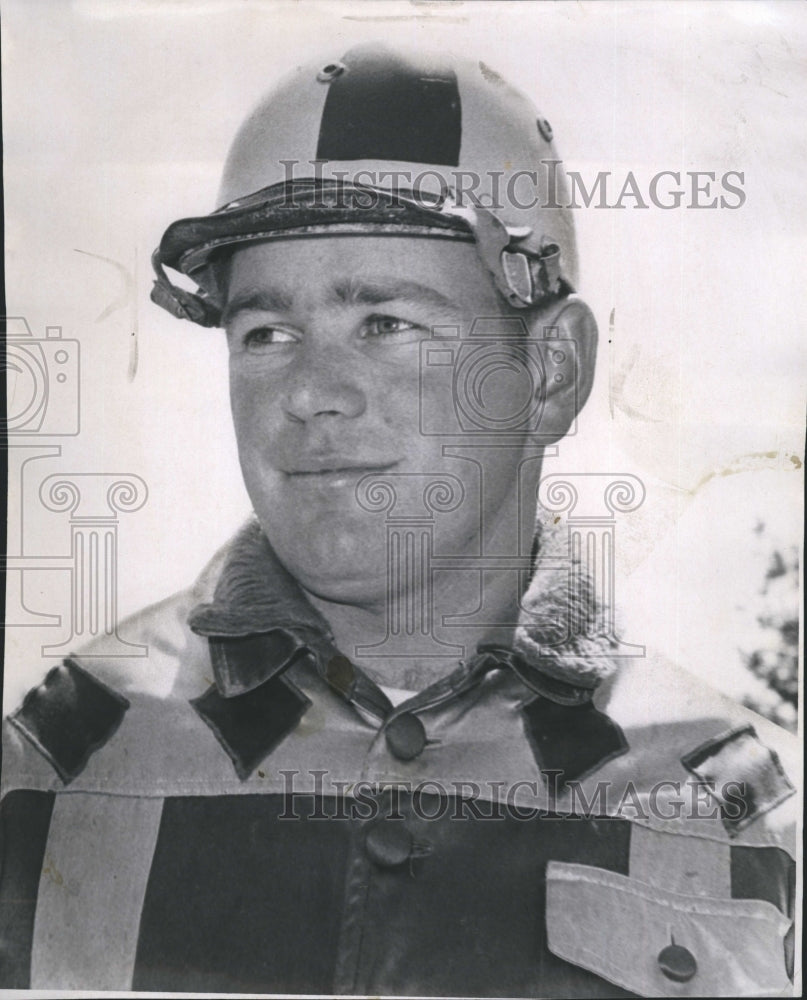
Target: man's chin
340,567
364,592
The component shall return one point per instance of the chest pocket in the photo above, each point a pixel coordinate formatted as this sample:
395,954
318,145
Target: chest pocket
658,943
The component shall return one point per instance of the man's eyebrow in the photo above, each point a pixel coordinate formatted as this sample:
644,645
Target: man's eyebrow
375,293
257,300
348,292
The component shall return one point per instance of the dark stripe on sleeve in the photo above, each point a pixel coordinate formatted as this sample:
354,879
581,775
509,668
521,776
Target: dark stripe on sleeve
767,873
24,824
383,108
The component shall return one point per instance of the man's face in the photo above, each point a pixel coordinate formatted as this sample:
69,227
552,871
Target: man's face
325,379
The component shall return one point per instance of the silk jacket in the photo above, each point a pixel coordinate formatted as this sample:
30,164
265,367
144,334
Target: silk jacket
244,810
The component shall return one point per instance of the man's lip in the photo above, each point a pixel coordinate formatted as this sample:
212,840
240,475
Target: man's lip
329,465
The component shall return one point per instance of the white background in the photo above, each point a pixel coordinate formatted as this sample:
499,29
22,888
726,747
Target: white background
117,118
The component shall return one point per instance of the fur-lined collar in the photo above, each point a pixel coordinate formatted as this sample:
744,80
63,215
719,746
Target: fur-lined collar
561,631
255,593
564,626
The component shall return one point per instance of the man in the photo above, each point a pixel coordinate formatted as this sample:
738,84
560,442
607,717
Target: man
388,744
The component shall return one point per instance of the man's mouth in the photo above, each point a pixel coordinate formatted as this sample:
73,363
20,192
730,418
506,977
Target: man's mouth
335,470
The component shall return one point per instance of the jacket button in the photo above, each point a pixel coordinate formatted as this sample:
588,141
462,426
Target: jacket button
388,843
405,736
677,963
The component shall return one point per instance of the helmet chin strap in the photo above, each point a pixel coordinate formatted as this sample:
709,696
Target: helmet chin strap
195,306
525,278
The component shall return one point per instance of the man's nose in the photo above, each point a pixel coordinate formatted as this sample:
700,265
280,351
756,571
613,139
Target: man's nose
323,383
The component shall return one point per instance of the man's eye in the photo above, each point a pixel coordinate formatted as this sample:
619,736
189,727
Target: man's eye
266,336
399,330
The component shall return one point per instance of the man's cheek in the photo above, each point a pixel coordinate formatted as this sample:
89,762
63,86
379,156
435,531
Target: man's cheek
254,410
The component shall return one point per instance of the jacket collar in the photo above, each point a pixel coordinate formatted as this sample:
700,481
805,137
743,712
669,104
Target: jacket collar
254,593
259,621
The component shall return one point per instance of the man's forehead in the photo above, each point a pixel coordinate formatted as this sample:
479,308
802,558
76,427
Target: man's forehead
282,276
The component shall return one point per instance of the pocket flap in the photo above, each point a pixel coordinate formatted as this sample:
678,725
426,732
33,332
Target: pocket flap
618,927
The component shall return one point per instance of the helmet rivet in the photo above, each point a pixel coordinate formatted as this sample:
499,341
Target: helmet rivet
545,129
330,72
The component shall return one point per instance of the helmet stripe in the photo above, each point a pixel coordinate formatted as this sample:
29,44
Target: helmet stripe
383,107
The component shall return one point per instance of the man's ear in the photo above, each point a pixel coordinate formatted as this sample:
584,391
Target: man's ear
569,372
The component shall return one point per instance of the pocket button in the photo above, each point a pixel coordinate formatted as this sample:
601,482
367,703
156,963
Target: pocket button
677,963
